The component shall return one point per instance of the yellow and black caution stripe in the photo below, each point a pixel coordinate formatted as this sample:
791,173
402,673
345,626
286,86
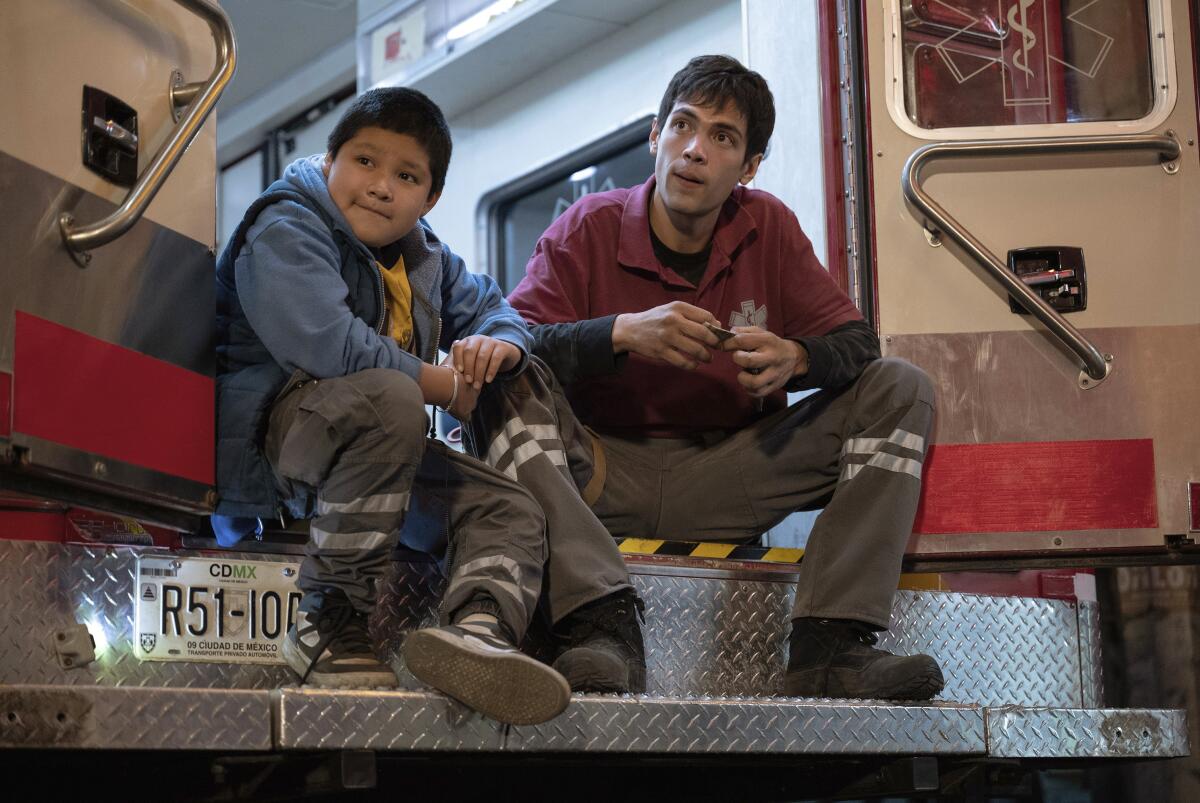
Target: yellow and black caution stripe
692,549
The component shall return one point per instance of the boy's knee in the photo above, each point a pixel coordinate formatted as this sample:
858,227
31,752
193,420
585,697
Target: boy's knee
897,380
393,400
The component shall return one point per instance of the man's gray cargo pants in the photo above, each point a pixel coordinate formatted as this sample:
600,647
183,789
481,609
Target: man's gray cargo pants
856,451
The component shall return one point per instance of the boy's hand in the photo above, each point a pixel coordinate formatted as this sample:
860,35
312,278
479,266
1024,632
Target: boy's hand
768,361
467,396
464,405
479,358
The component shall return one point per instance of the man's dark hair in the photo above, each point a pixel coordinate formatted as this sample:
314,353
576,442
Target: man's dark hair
403,111
717,80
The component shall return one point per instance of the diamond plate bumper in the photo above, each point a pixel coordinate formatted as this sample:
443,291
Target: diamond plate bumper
134,718
745,726
312,719
1020,672
1086,733
993,650
309,719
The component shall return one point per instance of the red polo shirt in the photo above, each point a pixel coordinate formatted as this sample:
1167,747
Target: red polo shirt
596,259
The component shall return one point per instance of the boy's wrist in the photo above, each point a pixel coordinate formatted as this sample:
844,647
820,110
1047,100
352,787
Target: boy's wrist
454,385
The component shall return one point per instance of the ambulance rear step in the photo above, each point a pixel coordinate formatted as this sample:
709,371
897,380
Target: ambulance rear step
1023,677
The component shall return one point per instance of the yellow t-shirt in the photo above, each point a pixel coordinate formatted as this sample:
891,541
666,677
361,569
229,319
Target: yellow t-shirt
399,302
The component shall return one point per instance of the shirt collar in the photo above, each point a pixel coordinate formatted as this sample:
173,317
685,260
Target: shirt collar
634,249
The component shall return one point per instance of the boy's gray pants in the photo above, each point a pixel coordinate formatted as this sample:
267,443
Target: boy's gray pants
359,442
856,451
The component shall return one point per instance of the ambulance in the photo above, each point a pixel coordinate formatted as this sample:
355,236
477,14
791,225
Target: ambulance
1007,189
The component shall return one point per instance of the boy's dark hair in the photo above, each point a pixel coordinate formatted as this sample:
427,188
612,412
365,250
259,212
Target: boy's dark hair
717,80
403,111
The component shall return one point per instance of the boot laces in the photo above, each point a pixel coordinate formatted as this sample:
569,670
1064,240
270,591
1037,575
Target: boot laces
867,637
610,617
340,626
353,636
853,631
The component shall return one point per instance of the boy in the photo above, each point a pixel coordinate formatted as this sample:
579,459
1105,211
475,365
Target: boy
334,297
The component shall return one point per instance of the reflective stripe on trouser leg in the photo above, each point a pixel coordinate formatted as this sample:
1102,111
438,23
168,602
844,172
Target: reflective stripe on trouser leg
503,576
852,560
354,442
497,531
516,423
518,443
351,539
379,503
902,452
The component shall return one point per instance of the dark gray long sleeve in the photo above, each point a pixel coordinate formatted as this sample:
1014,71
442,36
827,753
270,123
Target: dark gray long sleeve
577,350
838,358
583,349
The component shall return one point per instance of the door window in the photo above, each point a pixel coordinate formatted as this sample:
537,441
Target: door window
973,63
519,212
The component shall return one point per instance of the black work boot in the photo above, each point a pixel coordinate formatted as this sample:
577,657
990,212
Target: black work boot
603,648
834,658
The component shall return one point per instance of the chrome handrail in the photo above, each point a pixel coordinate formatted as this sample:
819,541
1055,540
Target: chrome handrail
79,239
1095,364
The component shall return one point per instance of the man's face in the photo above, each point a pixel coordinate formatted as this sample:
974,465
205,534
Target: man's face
380,182
699,157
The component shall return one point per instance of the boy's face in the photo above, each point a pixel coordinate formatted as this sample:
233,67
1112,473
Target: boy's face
699,157
380,181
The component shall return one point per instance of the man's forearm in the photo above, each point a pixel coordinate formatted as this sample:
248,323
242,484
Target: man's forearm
577,350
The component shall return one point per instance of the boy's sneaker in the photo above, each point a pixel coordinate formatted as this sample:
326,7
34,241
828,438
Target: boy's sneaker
477,665
835,658
604,650
328,646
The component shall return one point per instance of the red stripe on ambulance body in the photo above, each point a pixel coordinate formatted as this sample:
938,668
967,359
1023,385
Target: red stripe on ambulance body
1038,487
5,404
80,391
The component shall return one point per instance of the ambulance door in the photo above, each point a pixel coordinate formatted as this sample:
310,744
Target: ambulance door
1031,242
107,171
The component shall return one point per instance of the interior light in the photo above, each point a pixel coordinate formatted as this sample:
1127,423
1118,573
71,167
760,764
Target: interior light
479,20
584,174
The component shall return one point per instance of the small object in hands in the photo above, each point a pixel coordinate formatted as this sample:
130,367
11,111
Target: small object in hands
722,334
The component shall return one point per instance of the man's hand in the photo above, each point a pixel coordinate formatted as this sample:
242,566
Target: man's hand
674,333
479,358
768,362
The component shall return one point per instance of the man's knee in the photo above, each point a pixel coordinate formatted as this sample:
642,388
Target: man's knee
518,518
536,380
897,382
529,509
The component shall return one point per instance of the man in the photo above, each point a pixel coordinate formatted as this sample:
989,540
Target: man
629,290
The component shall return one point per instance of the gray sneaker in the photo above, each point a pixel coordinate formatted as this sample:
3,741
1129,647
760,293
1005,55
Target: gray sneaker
484,671
329,647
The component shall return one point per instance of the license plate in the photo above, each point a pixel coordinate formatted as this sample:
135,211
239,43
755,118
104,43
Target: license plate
209,609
